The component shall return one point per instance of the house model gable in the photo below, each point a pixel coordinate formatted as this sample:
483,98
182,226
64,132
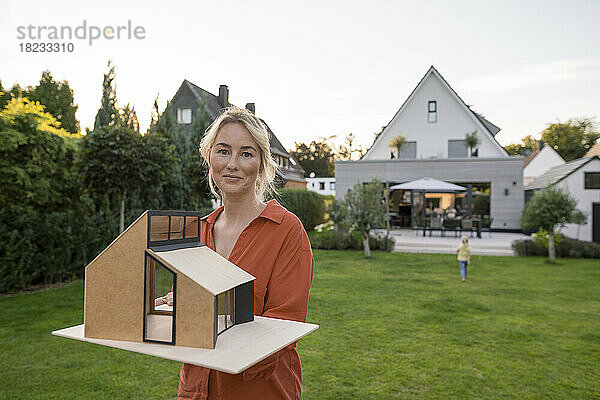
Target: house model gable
159,253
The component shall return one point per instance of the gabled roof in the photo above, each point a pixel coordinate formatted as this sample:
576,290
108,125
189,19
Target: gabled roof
558,173
213,107
594,150
486,125
205,267
537,151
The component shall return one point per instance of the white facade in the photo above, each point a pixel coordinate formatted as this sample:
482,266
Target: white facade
453,120
541,162
574,183
324,186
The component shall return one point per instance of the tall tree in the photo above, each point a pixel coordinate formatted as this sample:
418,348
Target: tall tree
363,209
107,114
571,139
58,99
349,150
315,157
527,145
128,117
549,209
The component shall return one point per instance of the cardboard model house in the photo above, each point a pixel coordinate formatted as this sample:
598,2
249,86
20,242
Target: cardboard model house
211,322
159,253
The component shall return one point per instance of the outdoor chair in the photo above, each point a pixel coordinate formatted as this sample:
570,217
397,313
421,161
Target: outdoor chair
436,224
487,226
452,224
466,225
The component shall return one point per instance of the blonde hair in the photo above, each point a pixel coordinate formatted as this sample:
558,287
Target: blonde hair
464,239
260,134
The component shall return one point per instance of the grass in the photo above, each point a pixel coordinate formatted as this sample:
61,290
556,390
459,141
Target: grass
394,326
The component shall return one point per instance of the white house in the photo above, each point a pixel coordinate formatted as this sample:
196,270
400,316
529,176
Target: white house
324,185
581,177
435,121
540,161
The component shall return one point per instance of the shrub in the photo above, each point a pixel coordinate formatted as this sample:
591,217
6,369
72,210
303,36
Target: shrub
308,206
567,248
342,239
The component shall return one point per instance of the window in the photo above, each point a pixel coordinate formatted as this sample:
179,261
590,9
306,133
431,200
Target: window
432,111
172,227
321,185
331,185
184,115
592,180
457,149
158,319
409,151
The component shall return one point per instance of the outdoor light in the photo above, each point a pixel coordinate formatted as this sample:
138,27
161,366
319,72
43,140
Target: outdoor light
506,192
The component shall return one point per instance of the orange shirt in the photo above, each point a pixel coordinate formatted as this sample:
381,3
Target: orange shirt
275,249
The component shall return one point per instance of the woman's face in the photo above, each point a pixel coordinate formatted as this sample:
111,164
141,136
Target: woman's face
235,159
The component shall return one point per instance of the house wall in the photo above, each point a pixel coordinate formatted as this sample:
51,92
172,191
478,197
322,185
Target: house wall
114,287
453,122
502,173
574,183
194,315
313,185
542,162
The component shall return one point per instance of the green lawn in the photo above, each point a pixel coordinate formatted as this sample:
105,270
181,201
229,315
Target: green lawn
394,326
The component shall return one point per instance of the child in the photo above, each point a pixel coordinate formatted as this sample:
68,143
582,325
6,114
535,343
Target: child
464,257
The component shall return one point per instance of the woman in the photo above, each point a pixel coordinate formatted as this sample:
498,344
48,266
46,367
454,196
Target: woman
464,257
262,238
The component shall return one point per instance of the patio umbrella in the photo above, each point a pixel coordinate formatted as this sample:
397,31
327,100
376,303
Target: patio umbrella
429,185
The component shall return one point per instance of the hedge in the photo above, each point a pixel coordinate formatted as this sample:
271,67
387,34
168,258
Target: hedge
308,206
567,248
344,240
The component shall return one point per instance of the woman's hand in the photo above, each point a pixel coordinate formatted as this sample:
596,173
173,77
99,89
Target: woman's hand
166,299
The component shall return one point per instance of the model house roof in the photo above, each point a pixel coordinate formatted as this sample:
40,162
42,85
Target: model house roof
205,267
558,173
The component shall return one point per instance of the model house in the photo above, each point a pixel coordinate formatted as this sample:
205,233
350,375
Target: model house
160,253
580,177
435,122
185,105
539,161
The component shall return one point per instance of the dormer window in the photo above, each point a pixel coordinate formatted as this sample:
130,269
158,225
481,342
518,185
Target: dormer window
432,111
184,115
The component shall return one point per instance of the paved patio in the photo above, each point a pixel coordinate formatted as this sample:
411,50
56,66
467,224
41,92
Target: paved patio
499,244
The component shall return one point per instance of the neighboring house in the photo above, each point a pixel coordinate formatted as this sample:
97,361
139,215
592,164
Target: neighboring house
539,161
435,120
185,105
580,177
594,150
324,185
161,252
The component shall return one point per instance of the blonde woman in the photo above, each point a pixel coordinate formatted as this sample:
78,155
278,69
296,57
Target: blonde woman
464,256
262,238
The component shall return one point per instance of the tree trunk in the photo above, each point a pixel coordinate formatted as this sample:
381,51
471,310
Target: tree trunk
551,251
122,216
366,245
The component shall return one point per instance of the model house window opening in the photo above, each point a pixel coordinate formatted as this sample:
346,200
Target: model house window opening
432,111
225,310
158,318
173,228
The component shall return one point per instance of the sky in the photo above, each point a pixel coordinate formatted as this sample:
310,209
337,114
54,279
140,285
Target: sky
322,68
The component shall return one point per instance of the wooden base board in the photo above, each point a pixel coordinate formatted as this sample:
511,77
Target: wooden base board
238,348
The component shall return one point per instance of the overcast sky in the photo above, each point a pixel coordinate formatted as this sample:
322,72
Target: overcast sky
316,69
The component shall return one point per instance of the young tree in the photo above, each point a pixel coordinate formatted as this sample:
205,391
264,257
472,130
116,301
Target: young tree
471,141
348,149
549,209
398,143
107,114
363,209
571,139
528,143
58,99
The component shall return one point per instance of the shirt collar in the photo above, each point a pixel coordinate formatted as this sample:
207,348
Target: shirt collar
273,211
